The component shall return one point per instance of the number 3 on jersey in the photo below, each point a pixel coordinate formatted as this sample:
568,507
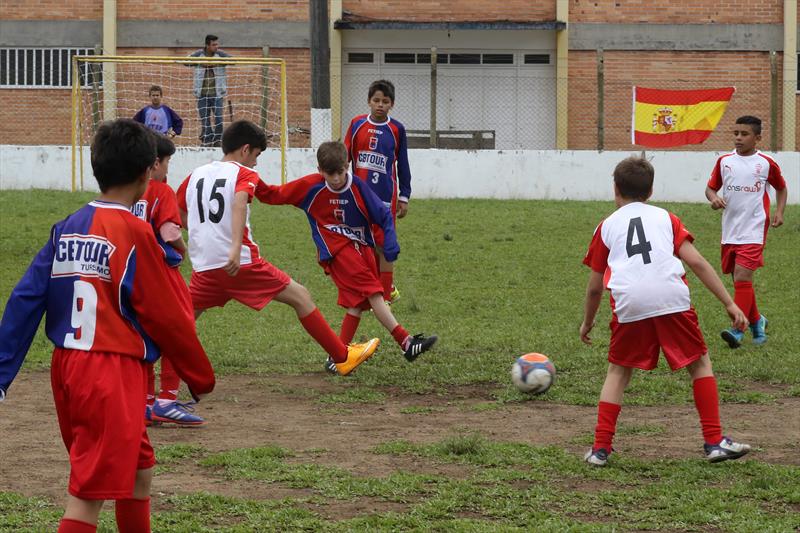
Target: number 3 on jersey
213,216
84,316
643,247
376,177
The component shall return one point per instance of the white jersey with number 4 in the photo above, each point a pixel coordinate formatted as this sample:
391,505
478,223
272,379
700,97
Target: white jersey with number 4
744,183
637,244
207,197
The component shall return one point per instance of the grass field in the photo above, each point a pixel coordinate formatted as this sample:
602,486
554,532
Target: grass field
494,279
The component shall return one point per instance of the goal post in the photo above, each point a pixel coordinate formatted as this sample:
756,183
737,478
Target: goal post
252,88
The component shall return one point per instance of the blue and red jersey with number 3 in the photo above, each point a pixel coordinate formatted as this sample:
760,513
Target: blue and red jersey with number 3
337,218
102,281
379,152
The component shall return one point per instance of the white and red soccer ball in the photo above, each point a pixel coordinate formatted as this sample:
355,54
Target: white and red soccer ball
533,373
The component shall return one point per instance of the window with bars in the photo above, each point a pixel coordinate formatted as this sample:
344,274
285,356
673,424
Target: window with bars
43,68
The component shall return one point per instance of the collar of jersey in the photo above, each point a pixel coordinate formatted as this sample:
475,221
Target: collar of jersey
108,205
388,119
343,189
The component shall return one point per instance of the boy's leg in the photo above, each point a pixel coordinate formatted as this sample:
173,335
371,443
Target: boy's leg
170,382
717,447
312,320
151,395
609,407
80,515
412,347
744,294
352,318
133,515
387,277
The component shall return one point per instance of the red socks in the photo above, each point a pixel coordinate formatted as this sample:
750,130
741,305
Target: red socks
68,525
745,298
387,280
706,399
607,414
349,327
401,336
170,382
151,384
318,328
133,516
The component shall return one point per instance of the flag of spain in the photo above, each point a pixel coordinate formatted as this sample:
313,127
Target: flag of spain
666,118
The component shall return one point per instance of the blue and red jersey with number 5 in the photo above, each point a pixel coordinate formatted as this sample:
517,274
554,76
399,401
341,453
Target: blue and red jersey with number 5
379,152
102,281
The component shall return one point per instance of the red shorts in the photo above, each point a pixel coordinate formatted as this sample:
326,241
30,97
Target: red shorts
750,256
255,286
100,400
354,271
636,344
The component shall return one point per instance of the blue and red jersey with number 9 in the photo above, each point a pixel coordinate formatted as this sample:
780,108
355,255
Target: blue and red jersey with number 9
103,282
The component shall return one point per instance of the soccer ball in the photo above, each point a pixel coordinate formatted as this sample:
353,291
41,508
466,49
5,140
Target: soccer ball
533,373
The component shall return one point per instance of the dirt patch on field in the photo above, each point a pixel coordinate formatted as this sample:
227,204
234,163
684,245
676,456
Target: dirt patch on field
252,411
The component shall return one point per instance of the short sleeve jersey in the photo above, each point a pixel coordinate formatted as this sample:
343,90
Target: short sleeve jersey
744,182
380,157
157,206
207,197
638,244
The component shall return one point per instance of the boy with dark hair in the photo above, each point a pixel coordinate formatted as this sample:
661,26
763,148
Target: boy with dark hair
159,117
377,146
342,212
103,283
744,176
159,207
639,248
215,206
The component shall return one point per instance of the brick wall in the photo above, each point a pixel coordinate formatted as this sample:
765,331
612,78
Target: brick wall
677,11
290,10
451,10
749,72
51,9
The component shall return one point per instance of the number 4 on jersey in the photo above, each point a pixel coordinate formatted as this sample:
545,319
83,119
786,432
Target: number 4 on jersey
643,247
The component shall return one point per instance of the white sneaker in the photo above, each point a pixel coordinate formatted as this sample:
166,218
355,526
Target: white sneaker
725,450
596,458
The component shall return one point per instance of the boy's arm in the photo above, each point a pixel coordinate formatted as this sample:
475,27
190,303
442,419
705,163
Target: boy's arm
594,293
171,234
153,296
706,273
379,214
781,197
177,121
291,193
403,175
139,116
717,202
22,315
239,215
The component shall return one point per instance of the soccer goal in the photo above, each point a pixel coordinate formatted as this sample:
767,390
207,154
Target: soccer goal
205,93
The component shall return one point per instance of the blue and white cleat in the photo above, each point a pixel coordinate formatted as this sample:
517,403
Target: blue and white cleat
725,450
596,457
733,337
178,413
759,331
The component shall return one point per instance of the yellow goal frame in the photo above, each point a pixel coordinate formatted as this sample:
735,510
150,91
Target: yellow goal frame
77,101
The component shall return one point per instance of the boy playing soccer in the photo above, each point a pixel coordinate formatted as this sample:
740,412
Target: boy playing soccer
342,212
102,281
744,176
159,117
377,146
215,204
159,207
641,247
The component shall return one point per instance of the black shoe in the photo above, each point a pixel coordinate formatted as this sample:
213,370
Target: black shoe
419,344
330,367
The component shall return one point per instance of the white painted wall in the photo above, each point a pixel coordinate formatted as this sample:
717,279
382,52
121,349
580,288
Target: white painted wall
519,174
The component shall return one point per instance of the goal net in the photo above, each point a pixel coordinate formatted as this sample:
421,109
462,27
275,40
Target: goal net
205,94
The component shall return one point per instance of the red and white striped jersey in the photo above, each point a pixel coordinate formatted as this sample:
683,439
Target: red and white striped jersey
744,182
638,245
207,197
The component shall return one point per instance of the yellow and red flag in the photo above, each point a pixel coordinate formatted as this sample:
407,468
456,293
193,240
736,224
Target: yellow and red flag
665,118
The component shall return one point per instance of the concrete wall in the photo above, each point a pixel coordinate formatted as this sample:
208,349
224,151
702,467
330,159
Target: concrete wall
522,174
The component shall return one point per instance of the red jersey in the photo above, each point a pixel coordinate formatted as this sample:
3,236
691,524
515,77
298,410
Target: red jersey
336,217
103,282
158,206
